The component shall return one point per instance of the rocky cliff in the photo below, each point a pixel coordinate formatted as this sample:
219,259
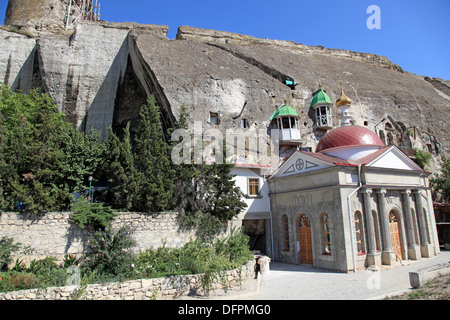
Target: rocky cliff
102,73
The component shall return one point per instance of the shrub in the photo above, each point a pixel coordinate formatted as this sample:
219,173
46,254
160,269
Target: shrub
422,158
235,247
15,280
7,248
69,260
48,272
196,257
95,215
110,252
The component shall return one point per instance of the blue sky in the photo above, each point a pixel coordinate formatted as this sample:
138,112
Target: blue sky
414,33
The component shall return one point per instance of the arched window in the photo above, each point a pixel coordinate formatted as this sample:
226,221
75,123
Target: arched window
326,234
359,233
286,233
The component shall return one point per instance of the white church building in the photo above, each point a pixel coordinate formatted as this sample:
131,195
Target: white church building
352,204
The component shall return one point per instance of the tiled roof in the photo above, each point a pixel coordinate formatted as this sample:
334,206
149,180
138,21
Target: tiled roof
348,136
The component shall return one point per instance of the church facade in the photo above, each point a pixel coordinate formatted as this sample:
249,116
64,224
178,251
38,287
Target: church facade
352,204
350,215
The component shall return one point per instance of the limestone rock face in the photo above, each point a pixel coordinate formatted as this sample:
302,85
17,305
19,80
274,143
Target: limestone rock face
16,60
102,73
82,73
243,77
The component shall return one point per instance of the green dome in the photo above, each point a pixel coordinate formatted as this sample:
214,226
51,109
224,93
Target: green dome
320,97
284,111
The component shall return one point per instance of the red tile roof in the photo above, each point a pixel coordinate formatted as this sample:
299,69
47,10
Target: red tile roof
348,136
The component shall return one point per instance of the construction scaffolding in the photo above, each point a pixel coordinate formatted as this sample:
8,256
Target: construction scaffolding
78,10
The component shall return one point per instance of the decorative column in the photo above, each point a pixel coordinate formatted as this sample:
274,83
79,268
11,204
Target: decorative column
372,254
425,247
387,254
413,249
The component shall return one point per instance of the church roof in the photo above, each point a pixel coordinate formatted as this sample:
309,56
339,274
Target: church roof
349,136
320,97
343,99
389,157
284,111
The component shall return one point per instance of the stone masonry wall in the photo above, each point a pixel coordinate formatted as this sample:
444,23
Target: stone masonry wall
144,289
54,235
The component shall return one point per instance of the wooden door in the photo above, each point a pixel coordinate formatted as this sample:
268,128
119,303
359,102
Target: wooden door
305,239
395,234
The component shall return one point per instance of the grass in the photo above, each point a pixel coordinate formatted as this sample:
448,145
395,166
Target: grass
436,289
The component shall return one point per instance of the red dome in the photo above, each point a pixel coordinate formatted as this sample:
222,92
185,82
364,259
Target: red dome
349,136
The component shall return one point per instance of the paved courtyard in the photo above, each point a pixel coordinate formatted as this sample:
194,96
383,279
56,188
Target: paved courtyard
287,281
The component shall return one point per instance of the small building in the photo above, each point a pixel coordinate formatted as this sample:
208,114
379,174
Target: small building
285,119
352,204
321,104
251,179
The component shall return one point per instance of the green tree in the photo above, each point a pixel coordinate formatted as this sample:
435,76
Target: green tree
215,198
152,159
187,174
83,156
44,158
123,176
441,182
95,215
33,132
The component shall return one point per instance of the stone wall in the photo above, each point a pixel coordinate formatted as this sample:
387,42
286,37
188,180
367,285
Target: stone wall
144,289
54,235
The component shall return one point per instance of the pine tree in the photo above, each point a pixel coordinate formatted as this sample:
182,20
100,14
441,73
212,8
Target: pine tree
215,198
223,197
152,156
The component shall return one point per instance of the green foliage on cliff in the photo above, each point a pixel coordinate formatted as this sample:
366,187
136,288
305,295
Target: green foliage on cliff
422,158
440,182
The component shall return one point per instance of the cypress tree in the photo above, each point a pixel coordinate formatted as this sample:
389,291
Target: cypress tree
223,197
121,171
153,161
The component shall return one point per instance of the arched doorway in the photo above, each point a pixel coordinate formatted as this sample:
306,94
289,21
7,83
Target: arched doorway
394,228
305,239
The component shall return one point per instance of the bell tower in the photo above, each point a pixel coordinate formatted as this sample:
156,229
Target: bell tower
344,104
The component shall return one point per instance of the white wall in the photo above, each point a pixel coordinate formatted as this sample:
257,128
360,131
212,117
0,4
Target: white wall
258,207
